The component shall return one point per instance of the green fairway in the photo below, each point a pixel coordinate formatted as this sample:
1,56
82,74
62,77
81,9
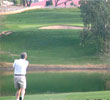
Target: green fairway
44,17
50,47
46,46
105,95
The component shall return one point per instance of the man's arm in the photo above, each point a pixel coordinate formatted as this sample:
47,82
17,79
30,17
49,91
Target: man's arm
14,64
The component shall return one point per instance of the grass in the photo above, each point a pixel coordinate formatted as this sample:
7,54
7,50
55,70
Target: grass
46,46
50,47
56,83
104,95
44,17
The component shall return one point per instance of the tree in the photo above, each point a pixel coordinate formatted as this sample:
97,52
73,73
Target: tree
15,2
96,18
64,2
56,2
27,2
1,2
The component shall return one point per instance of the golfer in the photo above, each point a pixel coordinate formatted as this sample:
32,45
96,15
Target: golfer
20,66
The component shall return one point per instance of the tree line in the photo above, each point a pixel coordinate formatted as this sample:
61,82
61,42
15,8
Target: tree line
96,18
22,2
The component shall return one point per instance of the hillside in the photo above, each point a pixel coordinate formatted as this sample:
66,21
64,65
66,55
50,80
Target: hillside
55,46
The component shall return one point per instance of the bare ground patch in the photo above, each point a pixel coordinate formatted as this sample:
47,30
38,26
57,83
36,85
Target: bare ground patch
2,52
33,68
4,33
8,53
16,10
62,27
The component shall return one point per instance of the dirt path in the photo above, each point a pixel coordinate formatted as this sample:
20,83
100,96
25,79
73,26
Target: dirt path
16,10
5,10
10,8
7,67
58,69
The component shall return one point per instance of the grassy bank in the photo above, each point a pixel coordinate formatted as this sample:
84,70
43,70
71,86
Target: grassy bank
56,83
104,95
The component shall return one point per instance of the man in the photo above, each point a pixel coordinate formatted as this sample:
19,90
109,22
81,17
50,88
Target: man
20,66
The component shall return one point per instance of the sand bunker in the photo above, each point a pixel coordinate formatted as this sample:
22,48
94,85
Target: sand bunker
61,27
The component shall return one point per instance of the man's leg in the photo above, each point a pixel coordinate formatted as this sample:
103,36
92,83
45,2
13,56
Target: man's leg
22,93
18,94
23,86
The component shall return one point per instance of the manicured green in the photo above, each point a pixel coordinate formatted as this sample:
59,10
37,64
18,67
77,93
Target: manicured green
56,83
104,95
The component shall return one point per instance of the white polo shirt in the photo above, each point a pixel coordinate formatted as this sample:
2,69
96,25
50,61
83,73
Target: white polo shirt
20,66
